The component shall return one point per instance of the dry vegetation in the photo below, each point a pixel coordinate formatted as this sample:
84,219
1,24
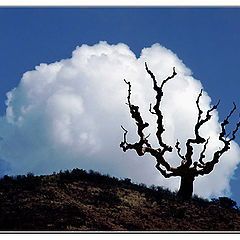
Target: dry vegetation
81,200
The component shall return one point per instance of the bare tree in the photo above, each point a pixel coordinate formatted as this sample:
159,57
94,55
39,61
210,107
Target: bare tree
187,170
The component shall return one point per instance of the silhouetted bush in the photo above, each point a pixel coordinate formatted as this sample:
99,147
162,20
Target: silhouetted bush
200,200
29,182
225,202
6,178
157,193
127,181
30,175
142,185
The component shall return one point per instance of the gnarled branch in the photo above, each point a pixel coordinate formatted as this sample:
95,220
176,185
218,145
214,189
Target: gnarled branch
141,125
208,167
134,111
179,151
156,107
143,145
202,154
198,139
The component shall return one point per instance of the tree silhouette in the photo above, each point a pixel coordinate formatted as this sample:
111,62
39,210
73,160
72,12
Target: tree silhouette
187,170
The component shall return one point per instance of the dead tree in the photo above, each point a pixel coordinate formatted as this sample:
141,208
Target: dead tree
187,170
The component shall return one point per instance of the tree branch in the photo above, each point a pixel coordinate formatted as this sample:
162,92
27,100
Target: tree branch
156,107
134,111
179,150
202,156
141,125
235,131
150,110
138,146
143,145
164,173
208,167
198,139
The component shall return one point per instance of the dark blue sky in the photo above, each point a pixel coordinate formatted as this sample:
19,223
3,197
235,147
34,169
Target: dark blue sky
206,39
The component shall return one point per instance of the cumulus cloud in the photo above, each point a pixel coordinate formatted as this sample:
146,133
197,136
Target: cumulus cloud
68,114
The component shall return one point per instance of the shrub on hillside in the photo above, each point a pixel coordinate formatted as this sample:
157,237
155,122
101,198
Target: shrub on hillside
225,202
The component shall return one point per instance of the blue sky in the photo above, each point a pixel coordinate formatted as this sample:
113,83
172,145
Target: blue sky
205,39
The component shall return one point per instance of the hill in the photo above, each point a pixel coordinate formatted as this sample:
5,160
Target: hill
88,201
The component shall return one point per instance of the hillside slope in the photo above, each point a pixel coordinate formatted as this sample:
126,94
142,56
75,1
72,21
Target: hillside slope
79,200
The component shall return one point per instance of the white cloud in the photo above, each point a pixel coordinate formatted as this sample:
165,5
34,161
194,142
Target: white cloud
68,114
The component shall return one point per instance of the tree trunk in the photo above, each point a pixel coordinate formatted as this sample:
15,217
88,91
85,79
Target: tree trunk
186,187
